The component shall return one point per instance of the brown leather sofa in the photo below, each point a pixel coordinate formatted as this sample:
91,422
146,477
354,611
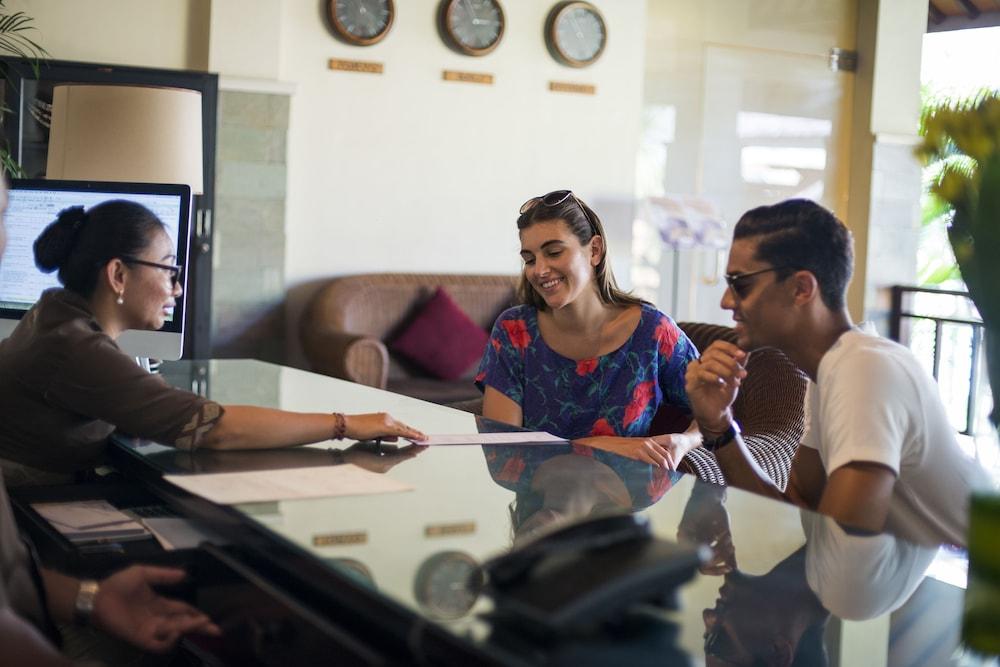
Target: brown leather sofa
347,324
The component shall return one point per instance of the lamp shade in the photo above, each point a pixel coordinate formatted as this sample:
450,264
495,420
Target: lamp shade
135,134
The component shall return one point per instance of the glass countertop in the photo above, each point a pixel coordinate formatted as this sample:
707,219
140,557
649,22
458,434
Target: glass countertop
778,582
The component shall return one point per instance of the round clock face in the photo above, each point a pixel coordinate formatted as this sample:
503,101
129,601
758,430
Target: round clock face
472,27
448,584
576,33
361,22
354,568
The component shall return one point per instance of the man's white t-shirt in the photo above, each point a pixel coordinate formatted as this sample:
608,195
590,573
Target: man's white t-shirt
872,401
860,577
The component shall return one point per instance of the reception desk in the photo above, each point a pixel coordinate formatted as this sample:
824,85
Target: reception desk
394,578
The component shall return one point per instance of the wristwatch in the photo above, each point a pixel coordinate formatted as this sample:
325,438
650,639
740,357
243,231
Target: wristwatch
83,608
727,436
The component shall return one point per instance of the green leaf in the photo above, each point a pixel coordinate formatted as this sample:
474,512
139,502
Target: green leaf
9,165
984,230
15,40
940,274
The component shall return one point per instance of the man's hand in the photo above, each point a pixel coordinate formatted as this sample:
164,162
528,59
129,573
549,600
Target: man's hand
712,383
706,521
127,607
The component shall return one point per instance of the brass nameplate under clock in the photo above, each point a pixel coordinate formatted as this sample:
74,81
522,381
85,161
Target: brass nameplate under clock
447,529
578,88
356,66
467,77
338,539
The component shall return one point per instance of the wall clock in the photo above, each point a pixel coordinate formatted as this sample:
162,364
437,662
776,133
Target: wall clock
472,27
448,584
361,22
575,33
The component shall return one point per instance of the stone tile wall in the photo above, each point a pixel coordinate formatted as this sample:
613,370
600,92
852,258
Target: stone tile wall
249,254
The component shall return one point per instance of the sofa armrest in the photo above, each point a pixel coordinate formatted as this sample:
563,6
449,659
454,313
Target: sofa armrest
353,357
770,410
772,453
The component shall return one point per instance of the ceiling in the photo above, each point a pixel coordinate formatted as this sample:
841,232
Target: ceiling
962,14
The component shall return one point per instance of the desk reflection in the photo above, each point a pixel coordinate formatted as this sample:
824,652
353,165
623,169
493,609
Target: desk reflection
780,617
378,458
555,485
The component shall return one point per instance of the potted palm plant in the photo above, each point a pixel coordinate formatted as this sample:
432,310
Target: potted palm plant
963,139
16,29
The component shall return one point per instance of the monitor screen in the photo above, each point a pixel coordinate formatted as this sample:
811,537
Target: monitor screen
33,204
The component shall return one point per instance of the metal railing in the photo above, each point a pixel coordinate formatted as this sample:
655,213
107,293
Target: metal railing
905,313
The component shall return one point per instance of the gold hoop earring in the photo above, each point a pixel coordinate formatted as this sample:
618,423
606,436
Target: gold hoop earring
121,298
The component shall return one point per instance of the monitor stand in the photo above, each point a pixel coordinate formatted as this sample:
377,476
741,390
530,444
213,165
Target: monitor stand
144,364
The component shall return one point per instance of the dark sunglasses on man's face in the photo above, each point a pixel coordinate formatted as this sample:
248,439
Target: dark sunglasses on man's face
176,271
740,283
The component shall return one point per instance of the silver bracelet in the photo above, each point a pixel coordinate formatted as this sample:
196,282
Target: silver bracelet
83,607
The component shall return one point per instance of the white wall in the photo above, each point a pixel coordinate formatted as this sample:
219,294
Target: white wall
170,34
406,172
245,44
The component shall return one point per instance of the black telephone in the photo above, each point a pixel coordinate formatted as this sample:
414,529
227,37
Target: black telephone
588,573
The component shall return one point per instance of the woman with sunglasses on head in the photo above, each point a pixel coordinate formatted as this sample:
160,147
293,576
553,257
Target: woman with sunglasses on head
64,375
579,357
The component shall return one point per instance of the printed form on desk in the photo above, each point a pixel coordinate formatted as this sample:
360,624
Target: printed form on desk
233,488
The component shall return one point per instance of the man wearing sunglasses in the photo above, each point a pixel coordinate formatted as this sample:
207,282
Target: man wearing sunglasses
879,452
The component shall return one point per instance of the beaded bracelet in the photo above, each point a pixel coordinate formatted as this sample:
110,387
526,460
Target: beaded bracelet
340,427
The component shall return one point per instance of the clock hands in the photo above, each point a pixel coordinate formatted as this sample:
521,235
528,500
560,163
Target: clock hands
473,27
361,22
576,25
472,12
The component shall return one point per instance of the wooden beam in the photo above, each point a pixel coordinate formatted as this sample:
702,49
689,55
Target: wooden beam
970,8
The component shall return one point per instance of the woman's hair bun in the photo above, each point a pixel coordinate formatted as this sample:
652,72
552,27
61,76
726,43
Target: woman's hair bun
55,244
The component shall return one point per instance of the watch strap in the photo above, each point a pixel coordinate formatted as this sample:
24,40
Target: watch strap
724,438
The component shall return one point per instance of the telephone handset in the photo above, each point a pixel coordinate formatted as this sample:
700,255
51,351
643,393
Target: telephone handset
587,573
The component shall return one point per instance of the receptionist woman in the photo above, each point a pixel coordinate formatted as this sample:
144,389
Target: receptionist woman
580,358
70,385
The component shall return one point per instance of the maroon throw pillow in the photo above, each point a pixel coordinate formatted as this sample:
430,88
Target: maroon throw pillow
441,339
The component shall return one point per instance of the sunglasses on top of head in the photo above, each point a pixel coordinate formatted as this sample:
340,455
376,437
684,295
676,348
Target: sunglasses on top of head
555,198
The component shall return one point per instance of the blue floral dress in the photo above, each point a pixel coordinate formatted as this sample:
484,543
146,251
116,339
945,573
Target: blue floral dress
615,394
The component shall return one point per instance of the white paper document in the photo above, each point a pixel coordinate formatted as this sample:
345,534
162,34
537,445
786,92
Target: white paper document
232,488
510,438
83,515
177,533
91,521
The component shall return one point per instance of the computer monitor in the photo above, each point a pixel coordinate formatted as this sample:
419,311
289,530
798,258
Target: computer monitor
33,204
